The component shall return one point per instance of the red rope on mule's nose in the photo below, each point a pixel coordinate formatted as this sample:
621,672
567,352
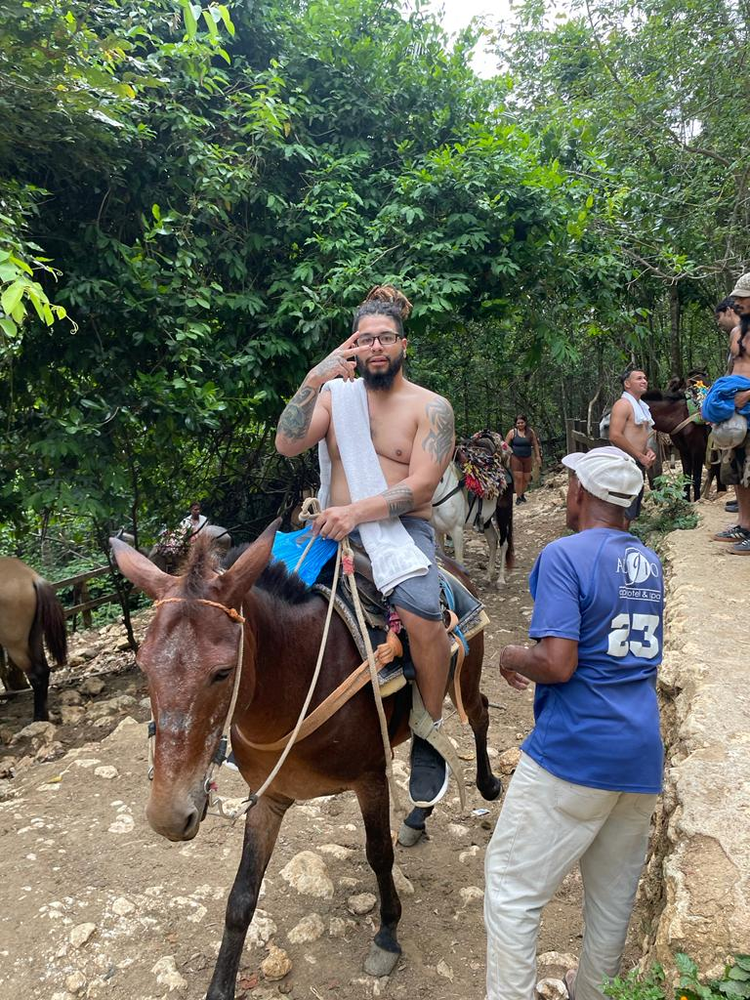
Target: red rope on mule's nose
234,615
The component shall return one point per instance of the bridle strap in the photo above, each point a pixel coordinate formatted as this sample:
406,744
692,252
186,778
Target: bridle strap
234,615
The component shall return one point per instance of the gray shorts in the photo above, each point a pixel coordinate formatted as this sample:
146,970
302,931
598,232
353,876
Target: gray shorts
420,594
634,509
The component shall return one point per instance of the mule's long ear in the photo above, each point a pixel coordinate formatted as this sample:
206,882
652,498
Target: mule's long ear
239,578
140,570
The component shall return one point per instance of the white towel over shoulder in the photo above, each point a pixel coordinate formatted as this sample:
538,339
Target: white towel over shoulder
393,554
641,411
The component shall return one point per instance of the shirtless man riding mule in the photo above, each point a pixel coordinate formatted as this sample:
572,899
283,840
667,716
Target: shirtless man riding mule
412,432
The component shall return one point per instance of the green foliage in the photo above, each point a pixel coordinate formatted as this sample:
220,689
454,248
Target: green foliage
636,985
665,509
194,197
734,983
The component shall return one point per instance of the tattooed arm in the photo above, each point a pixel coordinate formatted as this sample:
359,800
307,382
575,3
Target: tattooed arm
307,415
430,456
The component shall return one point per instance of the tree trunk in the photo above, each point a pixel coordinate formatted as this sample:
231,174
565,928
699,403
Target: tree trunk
675,346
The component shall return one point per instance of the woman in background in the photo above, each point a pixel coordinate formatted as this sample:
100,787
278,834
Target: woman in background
524,443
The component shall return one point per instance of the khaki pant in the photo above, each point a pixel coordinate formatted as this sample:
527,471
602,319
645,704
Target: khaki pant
547,825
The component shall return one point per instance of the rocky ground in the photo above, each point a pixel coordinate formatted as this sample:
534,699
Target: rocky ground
96,905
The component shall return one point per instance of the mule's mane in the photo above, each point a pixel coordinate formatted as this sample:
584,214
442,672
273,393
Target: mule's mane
275,580
201,562
657,396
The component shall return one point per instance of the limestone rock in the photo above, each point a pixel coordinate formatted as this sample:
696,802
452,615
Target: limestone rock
468,854
71,715
49,751
556,963
337,851
471,894
444,970
261,930
403,885
276,964
122,906
92,686
509,759
70,697
75,983
458,831
360,904
111,706
7,767
167,975
106,771
551,989
310,928
337,927
81,934
38,732
307,873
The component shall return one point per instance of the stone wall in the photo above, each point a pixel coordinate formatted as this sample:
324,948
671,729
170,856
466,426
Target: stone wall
702,854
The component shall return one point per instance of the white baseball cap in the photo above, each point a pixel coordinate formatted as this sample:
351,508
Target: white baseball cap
608,473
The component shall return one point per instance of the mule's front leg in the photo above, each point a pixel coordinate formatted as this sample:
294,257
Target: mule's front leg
385,950
261,829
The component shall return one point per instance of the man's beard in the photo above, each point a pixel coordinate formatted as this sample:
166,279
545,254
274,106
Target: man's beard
381,380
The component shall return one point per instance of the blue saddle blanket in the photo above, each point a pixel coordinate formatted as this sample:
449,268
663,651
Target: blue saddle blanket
719,402
289,546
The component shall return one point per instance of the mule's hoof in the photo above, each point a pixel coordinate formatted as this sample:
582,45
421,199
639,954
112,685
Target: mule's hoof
381,962
408,836
493,791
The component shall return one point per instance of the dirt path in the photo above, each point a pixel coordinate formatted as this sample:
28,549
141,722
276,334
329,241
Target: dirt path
95,905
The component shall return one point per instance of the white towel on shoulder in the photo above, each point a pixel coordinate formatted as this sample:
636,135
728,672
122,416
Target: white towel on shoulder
641,411
393,554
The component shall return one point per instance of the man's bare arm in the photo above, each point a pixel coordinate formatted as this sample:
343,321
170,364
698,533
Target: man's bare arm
294,422
400,500
439,441
306,417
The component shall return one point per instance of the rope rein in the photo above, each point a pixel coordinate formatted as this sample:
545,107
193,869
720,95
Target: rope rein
310,510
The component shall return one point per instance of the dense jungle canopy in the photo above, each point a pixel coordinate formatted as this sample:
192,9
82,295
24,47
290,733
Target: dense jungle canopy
193,200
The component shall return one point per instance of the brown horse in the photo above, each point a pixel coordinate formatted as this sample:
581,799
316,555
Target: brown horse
190,655
669,410
31,614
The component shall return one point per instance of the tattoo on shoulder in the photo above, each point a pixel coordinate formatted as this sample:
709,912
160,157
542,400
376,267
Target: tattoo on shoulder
400,500
295,420
439,440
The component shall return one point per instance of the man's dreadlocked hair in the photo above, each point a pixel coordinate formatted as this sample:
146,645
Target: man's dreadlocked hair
384,300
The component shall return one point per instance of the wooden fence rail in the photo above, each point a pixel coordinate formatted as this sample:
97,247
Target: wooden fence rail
577,438
82,604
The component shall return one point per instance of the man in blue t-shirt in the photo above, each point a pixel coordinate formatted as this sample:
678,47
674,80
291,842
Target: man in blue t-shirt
586,785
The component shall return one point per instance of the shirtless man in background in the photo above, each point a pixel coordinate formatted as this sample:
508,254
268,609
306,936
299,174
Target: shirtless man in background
629,433
412,431
739,350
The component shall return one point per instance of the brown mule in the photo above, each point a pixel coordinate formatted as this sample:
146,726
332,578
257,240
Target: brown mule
30,615
189,656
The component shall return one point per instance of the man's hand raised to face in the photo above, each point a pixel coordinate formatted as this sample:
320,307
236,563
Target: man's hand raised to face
340,363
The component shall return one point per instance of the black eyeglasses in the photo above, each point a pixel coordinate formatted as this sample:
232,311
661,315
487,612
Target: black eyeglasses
386,339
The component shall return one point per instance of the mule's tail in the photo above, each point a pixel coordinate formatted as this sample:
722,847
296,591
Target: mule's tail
50,618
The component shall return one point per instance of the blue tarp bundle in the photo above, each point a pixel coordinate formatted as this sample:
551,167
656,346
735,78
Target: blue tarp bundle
288,547
719,403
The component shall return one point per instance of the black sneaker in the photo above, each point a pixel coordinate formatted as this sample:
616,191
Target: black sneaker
429,774
732,534
732,507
